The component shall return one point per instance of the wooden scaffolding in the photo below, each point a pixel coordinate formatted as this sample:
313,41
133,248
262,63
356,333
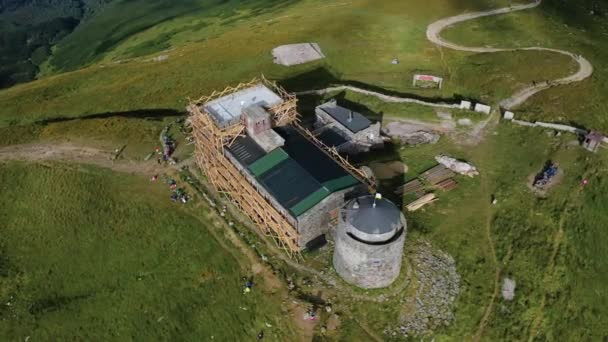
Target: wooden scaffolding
210,141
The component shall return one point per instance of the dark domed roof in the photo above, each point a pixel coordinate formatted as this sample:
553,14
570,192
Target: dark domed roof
383,218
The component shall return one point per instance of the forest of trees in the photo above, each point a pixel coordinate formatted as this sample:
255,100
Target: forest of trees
30,28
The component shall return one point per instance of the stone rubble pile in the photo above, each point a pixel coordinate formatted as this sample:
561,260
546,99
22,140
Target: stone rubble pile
457,166
438,288
411,134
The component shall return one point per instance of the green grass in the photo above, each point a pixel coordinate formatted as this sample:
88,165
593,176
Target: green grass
111,224
205,59
458,223
93,255
141,136
553,25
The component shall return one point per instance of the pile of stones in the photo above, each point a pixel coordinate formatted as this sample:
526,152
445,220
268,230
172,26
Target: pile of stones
437,289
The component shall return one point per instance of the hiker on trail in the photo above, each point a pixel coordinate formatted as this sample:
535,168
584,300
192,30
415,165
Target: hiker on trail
158,161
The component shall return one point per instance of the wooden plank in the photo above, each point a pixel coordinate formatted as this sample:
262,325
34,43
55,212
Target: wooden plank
409,187
447,184
437,174
421,202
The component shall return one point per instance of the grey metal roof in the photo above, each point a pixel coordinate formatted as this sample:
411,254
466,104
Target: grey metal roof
354,121
245,150
289,183
306,172
227,110
316,162
331,138
384,218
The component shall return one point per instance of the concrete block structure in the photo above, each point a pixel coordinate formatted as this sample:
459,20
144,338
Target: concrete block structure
346,130
369,242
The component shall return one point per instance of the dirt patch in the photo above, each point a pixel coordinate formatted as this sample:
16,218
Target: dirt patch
306,327
76,154
388,170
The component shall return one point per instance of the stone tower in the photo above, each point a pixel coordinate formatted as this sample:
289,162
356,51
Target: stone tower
369,242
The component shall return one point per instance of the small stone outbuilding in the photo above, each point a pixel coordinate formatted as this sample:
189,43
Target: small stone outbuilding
349,131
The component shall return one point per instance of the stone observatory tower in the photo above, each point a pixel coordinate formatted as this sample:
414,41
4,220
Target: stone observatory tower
369,242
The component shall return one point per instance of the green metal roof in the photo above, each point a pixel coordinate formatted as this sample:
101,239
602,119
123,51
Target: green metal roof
310,201
268,161
340,183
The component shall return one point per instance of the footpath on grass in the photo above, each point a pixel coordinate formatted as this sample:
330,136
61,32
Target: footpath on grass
433,34
584,71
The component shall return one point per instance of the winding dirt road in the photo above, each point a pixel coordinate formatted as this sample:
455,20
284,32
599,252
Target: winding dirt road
433,34
584,71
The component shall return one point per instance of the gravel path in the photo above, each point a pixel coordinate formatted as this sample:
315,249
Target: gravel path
584,71
433,34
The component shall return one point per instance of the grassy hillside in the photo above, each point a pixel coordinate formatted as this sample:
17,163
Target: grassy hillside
554,247
228,51
113,251
93,255
579,27
31,29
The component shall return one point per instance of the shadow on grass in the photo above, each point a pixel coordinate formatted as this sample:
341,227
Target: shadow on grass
322,77
147,114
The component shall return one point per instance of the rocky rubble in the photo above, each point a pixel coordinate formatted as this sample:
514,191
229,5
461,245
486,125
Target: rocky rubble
410,134
508,289
457,166
437,289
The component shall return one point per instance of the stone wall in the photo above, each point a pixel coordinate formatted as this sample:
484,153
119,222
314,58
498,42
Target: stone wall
317,220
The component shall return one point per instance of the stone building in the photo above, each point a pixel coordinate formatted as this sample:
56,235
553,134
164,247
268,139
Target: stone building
346,130
292,174
593,141
369,242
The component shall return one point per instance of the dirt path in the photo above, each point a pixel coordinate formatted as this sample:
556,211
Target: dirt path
433,34
557,241
584,71
273,284
76,154
490,307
